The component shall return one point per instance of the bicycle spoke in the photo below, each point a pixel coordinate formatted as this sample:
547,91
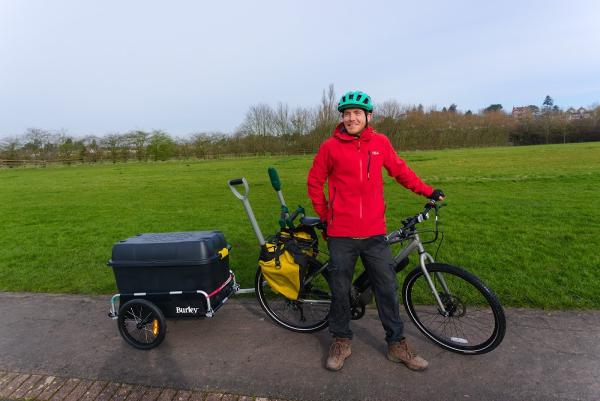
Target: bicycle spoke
132,313
146,318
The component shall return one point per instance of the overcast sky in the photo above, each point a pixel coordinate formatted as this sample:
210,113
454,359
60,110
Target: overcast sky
94,67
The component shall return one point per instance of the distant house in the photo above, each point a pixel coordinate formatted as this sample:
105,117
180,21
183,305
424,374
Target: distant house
578,114
523,112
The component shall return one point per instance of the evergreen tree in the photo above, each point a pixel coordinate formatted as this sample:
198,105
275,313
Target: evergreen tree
493,108
547,105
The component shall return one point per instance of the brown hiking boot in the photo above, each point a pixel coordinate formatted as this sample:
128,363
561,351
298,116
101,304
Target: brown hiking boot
400,352
338,352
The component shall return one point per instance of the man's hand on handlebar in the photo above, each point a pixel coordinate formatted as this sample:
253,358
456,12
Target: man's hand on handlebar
437,195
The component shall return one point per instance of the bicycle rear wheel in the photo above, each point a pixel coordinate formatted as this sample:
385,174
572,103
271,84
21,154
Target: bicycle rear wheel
474,321
305,315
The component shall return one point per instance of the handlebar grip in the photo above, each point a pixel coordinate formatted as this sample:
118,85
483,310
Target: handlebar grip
274,179
236,181
424,215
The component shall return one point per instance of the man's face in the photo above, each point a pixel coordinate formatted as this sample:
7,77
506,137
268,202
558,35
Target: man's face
355,120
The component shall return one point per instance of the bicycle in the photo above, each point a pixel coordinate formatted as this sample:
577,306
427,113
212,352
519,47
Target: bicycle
448,304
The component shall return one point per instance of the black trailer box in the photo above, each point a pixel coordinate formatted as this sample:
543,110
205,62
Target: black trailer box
183,261
186,305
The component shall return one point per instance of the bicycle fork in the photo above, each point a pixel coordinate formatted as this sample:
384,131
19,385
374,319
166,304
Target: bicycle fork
423,258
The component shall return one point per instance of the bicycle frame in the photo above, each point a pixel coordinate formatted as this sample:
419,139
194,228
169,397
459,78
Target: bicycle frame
415,244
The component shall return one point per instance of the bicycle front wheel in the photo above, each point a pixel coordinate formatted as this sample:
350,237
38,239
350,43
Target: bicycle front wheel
473,321
305,315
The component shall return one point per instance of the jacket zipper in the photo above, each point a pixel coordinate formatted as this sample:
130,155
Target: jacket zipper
360,168
369,166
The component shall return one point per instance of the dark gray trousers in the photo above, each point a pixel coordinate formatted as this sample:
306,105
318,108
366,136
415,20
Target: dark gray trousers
376,256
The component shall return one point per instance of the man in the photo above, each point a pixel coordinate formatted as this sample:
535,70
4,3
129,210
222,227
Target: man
354,216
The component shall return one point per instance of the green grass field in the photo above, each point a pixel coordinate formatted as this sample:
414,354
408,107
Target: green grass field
524,219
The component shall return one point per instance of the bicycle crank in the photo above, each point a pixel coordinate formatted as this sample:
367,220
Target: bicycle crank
357,311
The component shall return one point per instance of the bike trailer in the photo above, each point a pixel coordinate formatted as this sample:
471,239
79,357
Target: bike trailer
186,274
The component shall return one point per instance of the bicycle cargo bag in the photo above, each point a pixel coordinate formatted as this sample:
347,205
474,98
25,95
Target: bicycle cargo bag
283,265
180,261
305,237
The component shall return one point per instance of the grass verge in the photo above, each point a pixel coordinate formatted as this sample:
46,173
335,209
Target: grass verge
524,219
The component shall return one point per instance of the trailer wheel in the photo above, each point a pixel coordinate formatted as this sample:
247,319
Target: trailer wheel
142,324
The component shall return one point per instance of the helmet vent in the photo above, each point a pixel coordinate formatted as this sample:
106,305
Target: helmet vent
358,97
366,101
351,97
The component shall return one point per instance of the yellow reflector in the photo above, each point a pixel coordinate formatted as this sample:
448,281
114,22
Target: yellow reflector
224,252
155,327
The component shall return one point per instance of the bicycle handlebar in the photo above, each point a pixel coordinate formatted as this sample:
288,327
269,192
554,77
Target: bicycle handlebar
430,205
408,225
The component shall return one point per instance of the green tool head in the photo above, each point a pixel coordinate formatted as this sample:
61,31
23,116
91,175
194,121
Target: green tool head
274,179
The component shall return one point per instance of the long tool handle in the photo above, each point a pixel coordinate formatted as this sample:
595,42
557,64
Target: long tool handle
246,203
276,183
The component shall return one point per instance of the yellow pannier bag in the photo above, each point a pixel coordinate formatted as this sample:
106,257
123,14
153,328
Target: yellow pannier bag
281,272
284,258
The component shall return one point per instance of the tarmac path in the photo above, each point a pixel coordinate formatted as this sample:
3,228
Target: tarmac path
545,355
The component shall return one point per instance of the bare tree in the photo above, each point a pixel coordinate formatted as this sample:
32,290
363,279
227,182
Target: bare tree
139,141
200,143
36,142
258,120
302,121
390,109
327,112
112,143
281,120
9,148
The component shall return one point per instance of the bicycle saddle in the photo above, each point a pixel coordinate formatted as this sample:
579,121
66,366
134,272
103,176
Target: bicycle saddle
310,221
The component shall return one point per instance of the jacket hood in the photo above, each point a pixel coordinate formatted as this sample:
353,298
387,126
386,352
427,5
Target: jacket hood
340,133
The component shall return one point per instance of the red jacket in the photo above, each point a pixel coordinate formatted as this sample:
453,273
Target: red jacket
352,167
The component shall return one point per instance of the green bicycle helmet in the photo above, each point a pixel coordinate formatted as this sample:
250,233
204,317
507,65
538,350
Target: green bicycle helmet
355,100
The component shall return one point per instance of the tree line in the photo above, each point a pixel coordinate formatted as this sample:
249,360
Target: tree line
282,130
